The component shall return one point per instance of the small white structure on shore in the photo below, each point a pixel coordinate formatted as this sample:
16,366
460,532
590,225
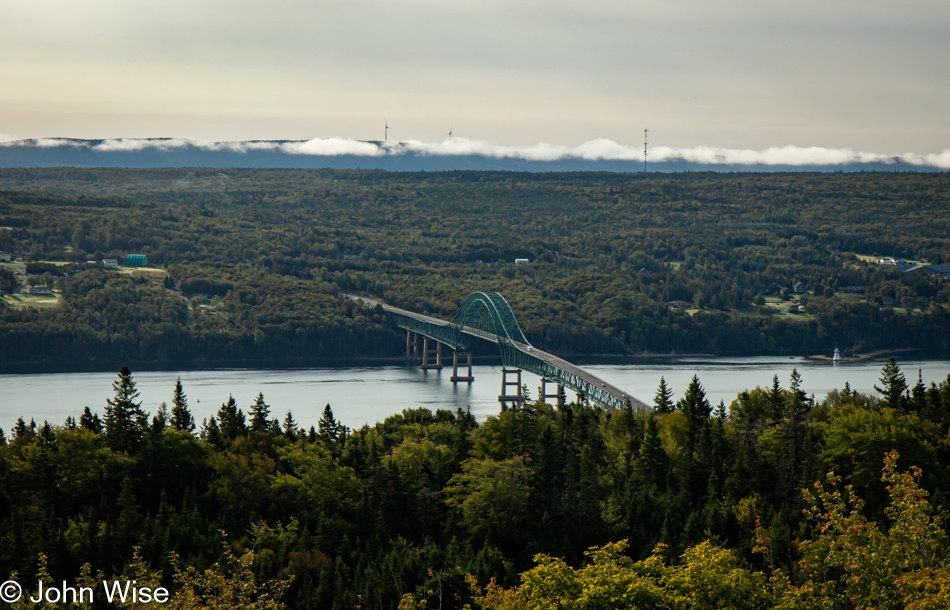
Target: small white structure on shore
837,356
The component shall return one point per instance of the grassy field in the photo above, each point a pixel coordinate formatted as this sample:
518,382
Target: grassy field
149,272
31,300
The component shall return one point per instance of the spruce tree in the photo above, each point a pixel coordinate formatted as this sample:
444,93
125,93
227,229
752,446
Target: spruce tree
696,408
650,459
663,401
776,399
231,419
329,429
210,432
160,420
90,421
893,386
260,412
918,395
181,416
126,422
290,426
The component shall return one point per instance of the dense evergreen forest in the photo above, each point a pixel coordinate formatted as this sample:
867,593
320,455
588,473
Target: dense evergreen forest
249,265
772,502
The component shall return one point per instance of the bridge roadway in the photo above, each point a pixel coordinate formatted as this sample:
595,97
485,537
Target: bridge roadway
553,368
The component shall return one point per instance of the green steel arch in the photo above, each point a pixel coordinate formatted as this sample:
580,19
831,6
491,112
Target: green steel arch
487,315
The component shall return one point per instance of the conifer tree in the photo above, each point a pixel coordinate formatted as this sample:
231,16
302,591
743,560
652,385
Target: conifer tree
232,421
795,429
776,399
650,458
260,412
328,429
210,432
290,426
181,416
696,408
90,421
125,420
918,395
663,401
160,420
22,432
893,385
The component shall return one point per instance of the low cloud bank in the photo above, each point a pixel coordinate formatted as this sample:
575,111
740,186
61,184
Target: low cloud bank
595,150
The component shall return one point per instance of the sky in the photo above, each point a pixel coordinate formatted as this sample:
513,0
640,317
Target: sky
870,75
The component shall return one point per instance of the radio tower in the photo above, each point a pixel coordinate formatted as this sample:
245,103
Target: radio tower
645,132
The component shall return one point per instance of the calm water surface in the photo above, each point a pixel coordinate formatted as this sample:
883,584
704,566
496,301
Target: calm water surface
367,395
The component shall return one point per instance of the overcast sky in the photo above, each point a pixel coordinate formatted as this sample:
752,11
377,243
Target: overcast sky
869,75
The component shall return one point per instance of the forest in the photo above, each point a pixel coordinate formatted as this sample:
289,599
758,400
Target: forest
248,266
772,501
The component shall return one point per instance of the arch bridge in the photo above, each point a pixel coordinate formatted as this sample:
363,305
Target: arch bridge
487,316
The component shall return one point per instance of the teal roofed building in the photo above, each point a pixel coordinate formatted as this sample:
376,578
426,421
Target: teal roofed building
136,260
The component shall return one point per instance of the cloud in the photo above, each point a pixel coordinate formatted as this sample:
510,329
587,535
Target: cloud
136,144
600,149
329,147
56,142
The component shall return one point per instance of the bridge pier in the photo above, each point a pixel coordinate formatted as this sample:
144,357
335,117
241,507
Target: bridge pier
558,395
436,352
505,396
455,378
412,346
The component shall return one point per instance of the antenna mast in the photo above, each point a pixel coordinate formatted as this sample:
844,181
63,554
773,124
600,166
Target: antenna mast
386,132
645,132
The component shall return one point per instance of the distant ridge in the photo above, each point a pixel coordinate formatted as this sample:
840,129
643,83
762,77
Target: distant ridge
452,154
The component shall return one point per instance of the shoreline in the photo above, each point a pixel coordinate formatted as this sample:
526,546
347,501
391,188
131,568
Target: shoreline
102,366
866,357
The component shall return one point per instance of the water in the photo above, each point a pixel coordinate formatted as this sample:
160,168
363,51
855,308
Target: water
365,395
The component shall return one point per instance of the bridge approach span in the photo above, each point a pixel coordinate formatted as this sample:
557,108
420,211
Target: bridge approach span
487,316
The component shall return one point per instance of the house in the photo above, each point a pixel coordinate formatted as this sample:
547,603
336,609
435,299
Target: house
136,260
796,309
6,257
799,288
935,270
522,261
853,289
39,290
886,301
110,263
681,304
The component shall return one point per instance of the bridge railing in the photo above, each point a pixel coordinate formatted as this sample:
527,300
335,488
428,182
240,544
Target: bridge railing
515,357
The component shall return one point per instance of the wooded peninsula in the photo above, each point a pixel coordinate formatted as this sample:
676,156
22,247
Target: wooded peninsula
248,266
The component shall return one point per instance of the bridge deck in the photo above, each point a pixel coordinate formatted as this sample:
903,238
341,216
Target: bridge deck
554,368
